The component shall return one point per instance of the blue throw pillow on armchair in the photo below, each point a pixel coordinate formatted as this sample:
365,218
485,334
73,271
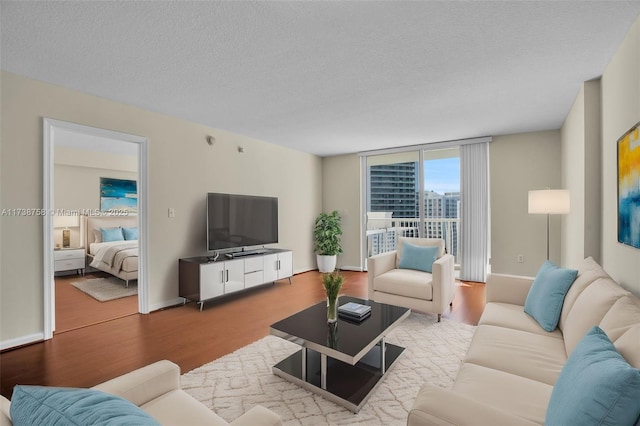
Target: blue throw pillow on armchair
420,258
546,295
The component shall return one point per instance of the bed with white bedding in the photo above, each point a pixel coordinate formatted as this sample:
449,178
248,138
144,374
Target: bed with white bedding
118,258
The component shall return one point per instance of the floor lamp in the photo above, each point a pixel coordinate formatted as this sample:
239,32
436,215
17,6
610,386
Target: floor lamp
549,201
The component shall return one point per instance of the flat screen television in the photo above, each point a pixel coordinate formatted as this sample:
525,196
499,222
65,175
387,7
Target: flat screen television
241,221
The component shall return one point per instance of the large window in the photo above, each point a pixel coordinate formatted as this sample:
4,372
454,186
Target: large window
412,194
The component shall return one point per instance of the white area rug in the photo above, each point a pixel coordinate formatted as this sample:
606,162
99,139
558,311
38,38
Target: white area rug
233,384
105,289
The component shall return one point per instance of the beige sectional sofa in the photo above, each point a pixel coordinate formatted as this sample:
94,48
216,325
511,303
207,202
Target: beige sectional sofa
156,390
512,364
419,290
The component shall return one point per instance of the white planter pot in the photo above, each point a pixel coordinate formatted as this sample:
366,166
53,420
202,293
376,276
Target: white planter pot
326,263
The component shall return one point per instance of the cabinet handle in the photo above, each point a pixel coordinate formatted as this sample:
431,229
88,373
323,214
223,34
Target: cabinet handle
227,276
222,276
278,267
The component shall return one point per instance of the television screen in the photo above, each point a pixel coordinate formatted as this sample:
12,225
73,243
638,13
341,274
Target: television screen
241,221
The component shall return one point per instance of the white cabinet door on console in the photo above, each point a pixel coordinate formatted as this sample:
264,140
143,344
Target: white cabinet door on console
234,276
278,266
285,265
270,267
211,280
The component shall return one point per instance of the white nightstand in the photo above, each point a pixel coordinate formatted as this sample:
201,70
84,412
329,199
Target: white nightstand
69,259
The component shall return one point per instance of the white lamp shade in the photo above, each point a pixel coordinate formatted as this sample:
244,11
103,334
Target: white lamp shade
66,221
549,201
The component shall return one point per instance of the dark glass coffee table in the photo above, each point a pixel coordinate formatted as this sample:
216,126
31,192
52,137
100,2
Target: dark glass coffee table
343,361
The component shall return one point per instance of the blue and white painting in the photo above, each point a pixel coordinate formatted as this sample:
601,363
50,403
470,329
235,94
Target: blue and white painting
118,194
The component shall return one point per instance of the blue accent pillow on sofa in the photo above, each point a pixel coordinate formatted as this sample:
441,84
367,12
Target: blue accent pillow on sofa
130,233
43,406
596,386
420,258
546,295
111,234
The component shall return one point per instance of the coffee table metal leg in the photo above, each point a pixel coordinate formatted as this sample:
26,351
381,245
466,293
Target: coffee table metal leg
383,361
304,364
323,371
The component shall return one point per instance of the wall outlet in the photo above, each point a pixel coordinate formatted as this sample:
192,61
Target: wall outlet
520,258
172,212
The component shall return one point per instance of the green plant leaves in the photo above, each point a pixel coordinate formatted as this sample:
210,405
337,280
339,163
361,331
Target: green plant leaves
327,232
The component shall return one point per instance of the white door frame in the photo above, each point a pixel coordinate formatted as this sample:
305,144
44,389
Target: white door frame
49,127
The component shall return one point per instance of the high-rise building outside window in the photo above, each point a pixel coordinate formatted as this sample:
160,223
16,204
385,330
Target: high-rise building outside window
393,188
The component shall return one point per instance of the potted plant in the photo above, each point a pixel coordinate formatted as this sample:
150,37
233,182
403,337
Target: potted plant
332,282
327,232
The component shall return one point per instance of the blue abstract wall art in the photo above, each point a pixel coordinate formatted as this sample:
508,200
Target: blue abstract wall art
118,194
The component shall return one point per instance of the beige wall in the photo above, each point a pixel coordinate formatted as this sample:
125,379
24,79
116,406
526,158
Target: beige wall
182,169
620,111
581,158
76,181
573,136
520,163
341,191
593,167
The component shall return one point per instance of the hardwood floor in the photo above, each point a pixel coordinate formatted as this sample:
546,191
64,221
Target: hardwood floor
75,309
90,355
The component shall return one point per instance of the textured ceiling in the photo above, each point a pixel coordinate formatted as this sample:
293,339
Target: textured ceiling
326,77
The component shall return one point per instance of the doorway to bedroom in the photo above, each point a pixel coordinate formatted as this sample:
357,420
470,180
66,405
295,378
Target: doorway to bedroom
94,187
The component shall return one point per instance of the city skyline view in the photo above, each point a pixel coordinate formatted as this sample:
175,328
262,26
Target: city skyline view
393,188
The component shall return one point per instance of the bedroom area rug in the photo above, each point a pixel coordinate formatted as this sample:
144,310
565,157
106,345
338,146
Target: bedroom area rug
234,383
105,289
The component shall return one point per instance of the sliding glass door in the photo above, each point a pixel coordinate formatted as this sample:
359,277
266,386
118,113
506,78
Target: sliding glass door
412,194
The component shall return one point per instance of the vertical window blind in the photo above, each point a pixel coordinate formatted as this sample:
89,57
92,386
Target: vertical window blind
474,195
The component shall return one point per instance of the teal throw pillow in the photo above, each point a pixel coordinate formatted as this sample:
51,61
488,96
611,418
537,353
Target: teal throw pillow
546,295
44,406
420,258
111,234
130,233
596,386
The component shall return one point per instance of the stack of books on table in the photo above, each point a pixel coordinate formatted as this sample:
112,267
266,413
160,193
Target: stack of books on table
354,311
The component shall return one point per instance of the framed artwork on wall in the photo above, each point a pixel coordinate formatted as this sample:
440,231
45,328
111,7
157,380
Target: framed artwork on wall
118,194
629,187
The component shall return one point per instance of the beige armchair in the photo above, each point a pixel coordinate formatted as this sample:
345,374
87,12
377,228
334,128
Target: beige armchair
422,291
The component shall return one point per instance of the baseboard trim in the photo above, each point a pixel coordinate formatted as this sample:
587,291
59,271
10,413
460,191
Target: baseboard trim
21,341
351,268
166,304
